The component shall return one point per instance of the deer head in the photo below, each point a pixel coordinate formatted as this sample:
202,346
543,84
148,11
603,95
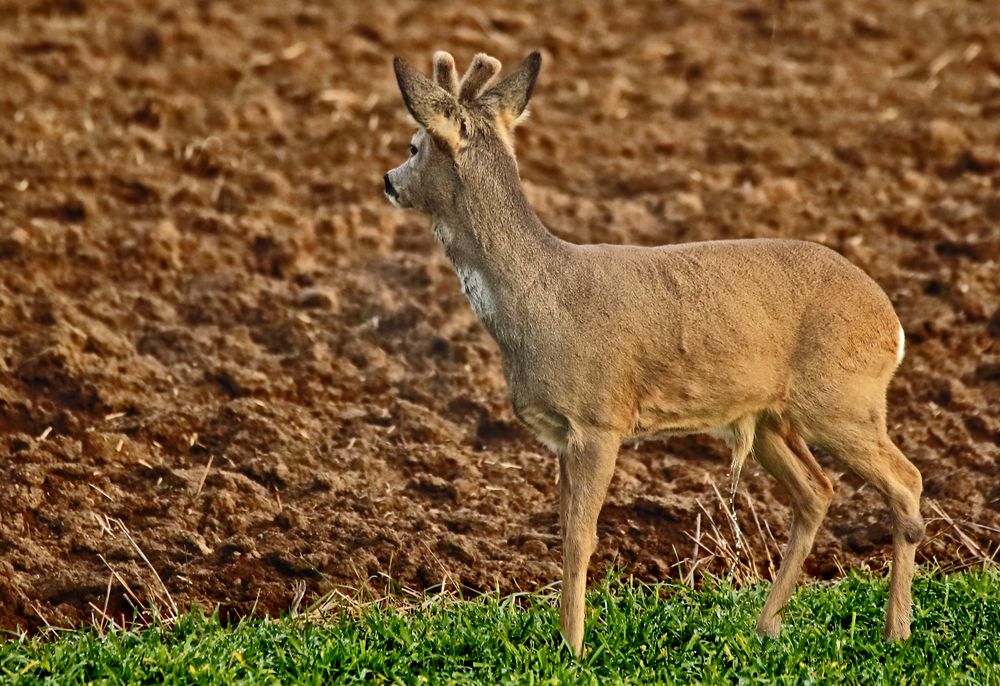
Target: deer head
466,129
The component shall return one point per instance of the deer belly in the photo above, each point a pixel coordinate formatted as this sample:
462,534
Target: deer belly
707,409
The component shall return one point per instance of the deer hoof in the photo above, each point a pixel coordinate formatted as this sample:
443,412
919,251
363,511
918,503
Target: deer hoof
896,633
769,626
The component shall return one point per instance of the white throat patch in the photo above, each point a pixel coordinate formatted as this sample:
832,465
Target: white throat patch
478,292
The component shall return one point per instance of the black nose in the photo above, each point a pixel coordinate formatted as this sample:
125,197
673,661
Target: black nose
388,186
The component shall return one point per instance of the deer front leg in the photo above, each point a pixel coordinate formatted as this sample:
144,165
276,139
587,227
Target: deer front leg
585,470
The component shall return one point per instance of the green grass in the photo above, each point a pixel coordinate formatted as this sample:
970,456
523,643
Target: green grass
636,633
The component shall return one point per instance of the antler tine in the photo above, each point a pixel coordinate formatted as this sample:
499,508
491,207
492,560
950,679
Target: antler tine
445,74
481,72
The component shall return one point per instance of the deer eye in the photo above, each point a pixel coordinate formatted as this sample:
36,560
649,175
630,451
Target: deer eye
413,150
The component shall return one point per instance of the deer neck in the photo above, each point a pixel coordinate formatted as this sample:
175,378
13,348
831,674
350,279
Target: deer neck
498,247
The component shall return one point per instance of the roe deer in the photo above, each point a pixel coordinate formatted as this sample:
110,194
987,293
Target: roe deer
771,344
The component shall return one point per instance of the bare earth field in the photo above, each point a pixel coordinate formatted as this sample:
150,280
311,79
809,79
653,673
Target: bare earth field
215,329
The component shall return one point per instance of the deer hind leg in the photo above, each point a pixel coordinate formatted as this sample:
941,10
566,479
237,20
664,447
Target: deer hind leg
784,454
878,461
585,470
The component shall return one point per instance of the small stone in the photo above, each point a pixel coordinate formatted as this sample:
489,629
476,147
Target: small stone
947,139
691,203
290,518
164,242
917,181
783,190
316,298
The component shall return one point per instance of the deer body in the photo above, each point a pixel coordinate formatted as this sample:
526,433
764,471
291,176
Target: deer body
770,344
689,338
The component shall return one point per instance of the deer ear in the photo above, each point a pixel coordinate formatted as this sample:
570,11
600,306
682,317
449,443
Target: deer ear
434,109
510,96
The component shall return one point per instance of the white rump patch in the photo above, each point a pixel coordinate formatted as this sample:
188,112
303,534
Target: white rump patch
479,295
901,348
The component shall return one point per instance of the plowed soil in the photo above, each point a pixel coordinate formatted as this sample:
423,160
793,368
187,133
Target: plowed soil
216,334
